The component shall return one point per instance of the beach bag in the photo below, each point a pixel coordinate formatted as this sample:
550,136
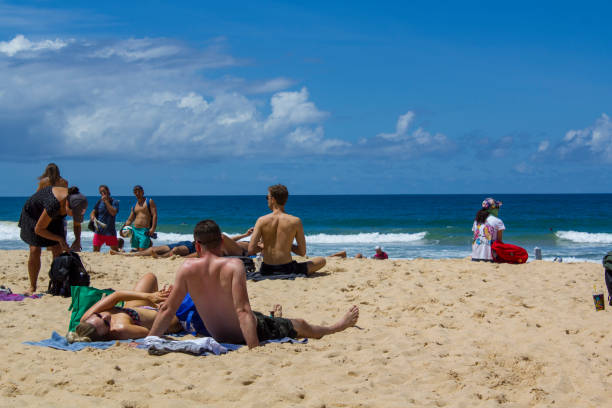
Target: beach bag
508,253
66,270
190,319
83,297
607,263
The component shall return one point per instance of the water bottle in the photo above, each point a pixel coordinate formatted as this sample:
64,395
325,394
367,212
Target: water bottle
258,262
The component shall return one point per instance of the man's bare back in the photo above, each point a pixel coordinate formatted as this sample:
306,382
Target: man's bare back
278,230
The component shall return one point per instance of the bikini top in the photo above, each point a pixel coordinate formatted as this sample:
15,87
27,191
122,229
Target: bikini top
130,312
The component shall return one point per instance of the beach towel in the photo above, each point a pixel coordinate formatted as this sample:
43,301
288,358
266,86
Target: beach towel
15,297
61,343
202,346
257,276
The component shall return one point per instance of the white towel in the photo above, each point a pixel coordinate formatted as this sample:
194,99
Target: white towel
197,347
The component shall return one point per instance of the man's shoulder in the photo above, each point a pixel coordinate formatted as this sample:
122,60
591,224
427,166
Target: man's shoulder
291,218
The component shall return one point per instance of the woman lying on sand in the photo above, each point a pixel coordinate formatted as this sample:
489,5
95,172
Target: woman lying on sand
105,321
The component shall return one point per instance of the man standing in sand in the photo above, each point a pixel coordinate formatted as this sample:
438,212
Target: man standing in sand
144,217
278,230
218,288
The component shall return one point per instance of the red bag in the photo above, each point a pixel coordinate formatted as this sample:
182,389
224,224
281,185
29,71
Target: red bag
508,253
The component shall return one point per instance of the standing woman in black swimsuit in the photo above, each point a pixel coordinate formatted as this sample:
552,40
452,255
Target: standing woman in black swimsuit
42,223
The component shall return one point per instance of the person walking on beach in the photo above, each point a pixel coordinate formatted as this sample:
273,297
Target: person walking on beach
487,229
42,223
103,215
278,230
144,217
218,288
51,178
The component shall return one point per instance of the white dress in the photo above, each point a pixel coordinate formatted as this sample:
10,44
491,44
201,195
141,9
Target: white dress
484,235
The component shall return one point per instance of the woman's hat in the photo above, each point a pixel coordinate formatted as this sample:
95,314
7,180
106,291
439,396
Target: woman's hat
491,203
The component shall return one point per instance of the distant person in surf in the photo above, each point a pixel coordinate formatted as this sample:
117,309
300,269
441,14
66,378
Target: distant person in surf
143,219
103,216
380,254
487,229
278,230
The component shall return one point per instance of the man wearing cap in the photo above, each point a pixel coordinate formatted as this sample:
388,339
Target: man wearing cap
380,254
143,215
487,229
42,223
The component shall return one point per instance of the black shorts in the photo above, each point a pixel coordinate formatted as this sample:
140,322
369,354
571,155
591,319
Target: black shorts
273,328
285,269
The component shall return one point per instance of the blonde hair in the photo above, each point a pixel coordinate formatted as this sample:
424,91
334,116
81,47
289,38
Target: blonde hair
84,332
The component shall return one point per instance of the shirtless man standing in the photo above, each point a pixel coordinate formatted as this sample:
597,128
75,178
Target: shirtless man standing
218,288
144,217
278,230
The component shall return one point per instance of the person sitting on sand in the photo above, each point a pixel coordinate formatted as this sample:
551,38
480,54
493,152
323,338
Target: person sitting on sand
218,288
231,247
278,230
380,254
105,321
487,229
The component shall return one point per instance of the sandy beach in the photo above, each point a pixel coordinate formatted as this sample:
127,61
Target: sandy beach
431,333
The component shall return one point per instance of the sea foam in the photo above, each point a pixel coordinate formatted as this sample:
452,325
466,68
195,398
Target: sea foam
585,237
364,238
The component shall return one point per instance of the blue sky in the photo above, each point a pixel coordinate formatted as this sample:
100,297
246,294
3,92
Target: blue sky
361,97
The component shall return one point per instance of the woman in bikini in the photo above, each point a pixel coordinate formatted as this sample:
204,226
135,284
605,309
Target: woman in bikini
105,321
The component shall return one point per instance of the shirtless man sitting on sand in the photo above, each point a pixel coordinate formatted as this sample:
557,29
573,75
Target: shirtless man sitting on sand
218,288
278,230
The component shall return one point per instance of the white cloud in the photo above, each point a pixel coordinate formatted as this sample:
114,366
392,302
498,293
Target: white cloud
292,108
595,140
308,140
544,145
272,85
149,99
418,139
138,49
21,44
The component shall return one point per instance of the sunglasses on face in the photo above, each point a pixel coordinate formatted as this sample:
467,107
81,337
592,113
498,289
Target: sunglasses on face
105,322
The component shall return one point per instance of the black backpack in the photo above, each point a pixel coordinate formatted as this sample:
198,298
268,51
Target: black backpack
66,270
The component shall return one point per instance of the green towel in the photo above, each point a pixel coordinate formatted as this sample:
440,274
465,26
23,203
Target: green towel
84,297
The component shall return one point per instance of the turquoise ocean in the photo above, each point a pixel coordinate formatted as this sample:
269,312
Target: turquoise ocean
576,227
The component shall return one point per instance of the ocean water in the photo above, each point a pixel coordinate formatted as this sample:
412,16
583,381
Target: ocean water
576,227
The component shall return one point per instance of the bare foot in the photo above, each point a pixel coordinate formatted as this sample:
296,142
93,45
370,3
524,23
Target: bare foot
113,252
30,291
278,311
348,320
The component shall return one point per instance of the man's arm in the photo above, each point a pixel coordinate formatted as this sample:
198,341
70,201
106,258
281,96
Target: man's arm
109,206
109,301
300,248
130,219
248,324
153,209
240,236
168,309
255,237
500,234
